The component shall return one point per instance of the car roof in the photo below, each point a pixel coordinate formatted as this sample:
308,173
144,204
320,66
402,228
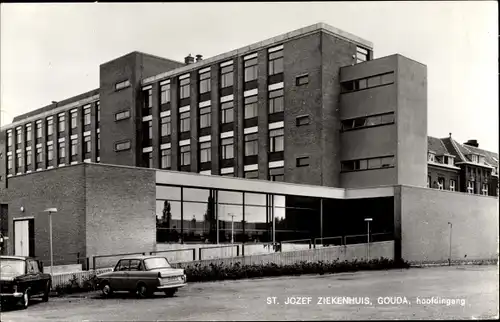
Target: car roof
15,257
141,257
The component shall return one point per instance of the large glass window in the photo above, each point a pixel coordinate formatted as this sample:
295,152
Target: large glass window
166,157
230,216
258,225
205,82
276,103
227,112
251,144
185,121
205,152
199,216
251,107
227,148
251,69
185,90
185,154
205,117
226,76
168,214
166,126
276,62
276,140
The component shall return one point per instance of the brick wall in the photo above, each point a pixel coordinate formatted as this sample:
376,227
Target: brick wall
425,232
120,209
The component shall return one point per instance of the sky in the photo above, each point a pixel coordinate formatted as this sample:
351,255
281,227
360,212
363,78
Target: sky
50,52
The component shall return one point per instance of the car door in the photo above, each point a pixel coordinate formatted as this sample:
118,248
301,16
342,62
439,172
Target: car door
133,274
119,278
33,280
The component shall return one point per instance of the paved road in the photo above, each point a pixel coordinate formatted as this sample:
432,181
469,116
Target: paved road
476,286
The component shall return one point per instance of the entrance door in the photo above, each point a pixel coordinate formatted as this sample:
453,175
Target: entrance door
21,242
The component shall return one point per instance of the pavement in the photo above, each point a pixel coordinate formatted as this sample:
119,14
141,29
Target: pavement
454,292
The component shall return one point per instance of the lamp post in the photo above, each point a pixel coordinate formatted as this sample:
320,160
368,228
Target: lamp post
451,230
51,211
368,236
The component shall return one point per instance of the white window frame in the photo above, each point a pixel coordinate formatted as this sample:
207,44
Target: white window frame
484,189
452,185
470,187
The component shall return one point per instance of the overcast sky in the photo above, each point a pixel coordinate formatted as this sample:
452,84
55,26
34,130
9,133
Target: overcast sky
53,51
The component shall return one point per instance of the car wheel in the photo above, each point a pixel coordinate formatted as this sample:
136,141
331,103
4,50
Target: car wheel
142,291
25,302
170,292
45,297
106,290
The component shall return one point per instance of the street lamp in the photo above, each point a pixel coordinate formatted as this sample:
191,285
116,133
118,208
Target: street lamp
451,230
51,211
368,245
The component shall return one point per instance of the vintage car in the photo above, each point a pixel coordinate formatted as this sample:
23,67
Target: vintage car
22,278
142,275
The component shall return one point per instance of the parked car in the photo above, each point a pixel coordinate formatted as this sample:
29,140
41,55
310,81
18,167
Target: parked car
142,275
22,278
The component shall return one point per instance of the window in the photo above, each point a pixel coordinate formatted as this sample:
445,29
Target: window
98,139
302,120
470,187
227,148
61,153
38,157
428,181
149,126
277,174
74,120
205,82
166,158
185,121
60,124
227,115
74,147
28,133
251,144
484,190
19,162
185,154
86,116
441,183
122,115
122,85
365,164
252,174
431,157
38,129
9,139
28,157
164,93
226,76
368,82
474,158
87,144
50,152
361,54
184,88
9,163
121,146
98,104
205,152
251,69
18,138
147,159
251,107
166,126
276,101
452,185
205,117
147,96
367,121
276,62
302,162
301,80
276,140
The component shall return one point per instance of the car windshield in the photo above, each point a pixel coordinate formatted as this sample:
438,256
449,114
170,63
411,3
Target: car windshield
157,262
12,266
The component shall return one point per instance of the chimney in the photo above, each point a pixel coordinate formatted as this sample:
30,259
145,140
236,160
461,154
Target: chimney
472,143
189,59
199,57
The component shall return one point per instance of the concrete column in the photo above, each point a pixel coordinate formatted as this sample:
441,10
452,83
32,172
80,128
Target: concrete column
174,92
263,122
215,119
156,125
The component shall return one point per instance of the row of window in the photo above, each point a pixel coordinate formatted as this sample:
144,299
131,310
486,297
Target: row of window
368,164
49,155
49,125
367,82
367,121
452,186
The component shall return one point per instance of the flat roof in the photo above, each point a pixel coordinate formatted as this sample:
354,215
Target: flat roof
262,44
